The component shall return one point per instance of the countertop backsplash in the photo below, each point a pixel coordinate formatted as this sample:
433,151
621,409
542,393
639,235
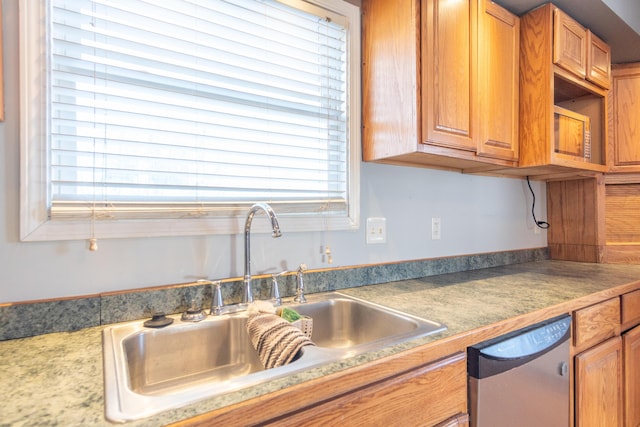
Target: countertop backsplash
24,319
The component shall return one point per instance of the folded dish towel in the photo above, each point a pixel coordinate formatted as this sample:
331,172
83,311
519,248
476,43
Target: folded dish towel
277,341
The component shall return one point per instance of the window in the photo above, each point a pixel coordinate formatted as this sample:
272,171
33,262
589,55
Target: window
172,118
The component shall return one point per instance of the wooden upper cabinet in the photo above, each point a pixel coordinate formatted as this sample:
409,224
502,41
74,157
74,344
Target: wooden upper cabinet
498,81
569,44
390,71
625,113
449,90
598,61
423,104
556,101
579,51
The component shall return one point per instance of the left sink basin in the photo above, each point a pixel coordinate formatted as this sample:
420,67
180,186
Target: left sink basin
160,361
147,371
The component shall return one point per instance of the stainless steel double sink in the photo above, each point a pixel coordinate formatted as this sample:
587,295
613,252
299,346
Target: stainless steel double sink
147,371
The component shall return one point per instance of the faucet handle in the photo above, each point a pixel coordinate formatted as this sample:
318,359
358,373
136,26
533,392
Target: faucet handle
275,292
300,298
217,305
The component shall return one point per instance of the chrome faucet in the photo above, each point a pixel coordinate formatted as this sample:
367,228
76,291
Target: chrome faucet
247,295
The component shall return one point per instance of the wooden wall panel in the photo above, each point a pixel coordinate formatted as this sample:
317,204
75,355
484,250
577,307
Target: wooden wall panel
623,213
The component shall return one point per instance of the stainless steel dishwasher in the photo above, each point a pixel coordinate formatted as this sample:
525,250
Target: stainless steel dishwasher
522,378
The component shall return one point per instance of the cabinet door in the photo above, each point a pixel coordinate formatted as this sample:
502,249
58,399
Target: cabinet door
631,343
498,86
598,389
598,61
390,103
569,44
626,118
449,73
421,397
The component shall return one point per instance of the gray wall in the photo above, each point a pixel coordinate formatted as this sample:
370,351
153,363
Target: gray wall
479,214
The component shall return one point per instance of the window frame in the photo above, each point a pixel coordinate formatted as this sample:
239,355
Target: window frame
35,221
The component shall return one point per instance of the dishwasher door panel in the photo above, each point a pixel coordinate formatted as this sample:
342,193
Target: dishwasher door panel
532,395
522,379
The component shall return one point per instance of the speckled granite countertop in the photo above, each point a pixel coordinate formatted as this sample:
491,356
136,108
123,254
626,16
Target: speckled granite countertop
56,379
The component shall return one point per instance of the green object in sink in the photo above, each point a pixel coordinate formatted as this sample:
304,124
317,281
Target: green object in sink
289,314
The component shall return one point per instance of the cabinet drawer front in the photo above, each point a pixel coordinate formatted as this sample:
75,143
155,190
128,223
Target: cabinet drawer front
630,309
596,323
424,396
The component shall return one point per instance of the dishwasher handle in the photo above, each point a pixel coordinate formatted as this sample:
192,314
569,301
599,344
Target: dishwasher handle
564,369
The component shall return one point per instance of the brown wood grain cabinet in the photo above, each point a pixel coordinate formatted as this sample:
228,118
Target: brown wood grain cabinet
625,108
598,61
598,385
426,396
631,349
630,310
553,62
607,364
569,44
598,365
630,306
579,51
594,324
435,91
498,82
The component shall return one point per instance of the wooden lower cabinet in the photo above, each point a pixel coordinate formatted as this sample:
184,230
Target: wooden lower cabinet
434,394
599,385
631,349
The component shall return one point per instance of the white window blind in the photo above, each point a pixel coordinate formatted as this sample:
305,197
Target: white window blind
196,108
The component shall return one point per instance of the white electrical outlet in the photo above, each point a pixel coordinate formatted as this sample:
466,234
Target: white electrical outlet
436,230
376,231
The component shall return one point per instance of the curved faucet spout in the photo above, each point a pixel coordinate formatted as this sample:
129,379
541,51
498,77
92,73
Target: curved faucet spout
247,296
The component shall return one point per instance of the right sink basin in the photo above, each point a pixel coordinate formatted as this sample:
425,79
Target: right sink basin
344,322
